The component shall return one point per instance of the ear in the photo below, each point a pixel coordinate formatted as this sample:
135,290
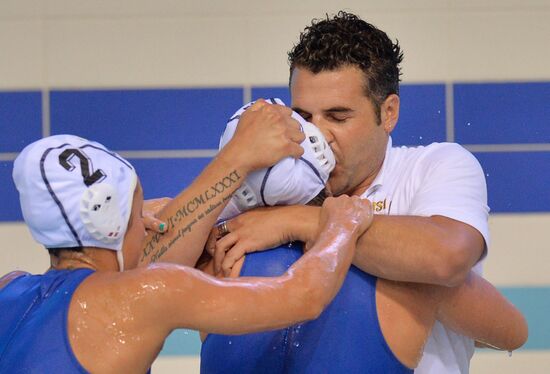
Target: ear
389,113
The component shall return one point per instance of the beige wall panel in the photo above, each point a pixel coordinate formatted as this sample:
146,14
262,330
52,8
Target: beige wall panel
531,362
520,250
177,364
499,45
422,35
21,9
19,250
269,40
21,51
312,8
148,52
493,5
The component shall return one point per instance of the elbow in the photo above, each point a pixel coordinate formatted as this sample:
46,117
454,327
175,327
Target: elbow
453,266
521,335
311,300
316,302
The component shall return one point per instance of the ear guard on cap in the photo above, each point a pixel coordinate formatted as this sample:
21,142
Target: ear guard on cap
100,213
245,198
319,146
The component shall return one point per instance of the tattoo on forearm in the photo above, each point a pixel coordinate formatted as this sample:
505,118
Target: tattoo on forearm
185,210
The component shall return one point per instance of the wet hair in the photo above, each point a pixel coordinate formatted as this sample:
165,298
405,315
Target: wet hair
57,251
319,199
346,40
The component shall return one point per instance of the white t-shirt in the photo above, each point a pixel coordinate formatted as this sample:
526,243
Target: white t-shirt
439,179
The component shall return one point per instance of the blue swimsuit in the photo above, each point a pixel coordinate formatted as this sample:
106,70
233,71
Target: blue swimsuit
33,326
346,338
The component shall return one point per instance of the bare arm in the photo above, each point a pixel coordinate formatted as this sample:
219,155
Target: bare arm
425,246
223,306
265,134
435,250
407,312
125,317
476,309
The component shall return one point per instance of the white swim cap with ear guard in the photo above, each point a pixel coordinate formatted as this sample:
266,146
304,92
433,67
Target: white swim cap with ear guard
290,181
75,193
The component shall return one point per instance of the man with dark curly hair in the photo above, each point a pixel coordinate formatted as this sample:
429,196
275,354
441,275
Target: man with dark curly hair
430,201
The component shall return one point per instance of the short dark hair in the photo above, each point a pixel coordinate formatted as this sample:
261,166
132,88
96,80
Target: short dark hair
319,199
346,40
57,251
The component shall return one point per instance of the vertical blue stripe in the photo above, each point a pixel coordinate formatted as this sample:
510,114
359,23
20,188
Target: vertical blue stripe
20,119
9,197
422,115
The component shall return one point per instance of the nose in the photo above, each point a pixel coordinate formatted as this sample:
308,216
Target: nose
324,127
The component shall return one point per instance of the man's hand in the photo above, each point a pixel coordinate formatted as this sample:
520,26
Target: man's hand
266,134
256,230
150,210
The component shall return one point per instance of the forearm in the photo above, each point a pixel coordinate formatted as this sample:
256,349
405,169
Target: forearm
477,310
300,294
191,215
435,250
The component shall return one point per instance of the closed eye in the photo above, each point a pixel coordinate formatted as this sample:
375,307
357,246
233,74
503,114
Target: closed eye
338,118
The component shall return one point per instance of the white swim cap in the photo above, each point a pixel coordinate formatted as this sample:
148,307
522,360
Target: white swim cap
74,193
290,181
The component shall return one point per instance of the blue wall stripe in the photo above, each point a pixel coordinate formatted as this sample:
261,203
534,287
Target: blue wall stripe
20,119
161,119
534,302
146,119
282,92
9,197
517,181
167,177
501,113
422,117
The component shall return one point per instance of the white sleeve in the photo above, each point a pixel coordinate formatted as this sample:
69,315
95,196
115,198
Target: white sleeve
453,185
